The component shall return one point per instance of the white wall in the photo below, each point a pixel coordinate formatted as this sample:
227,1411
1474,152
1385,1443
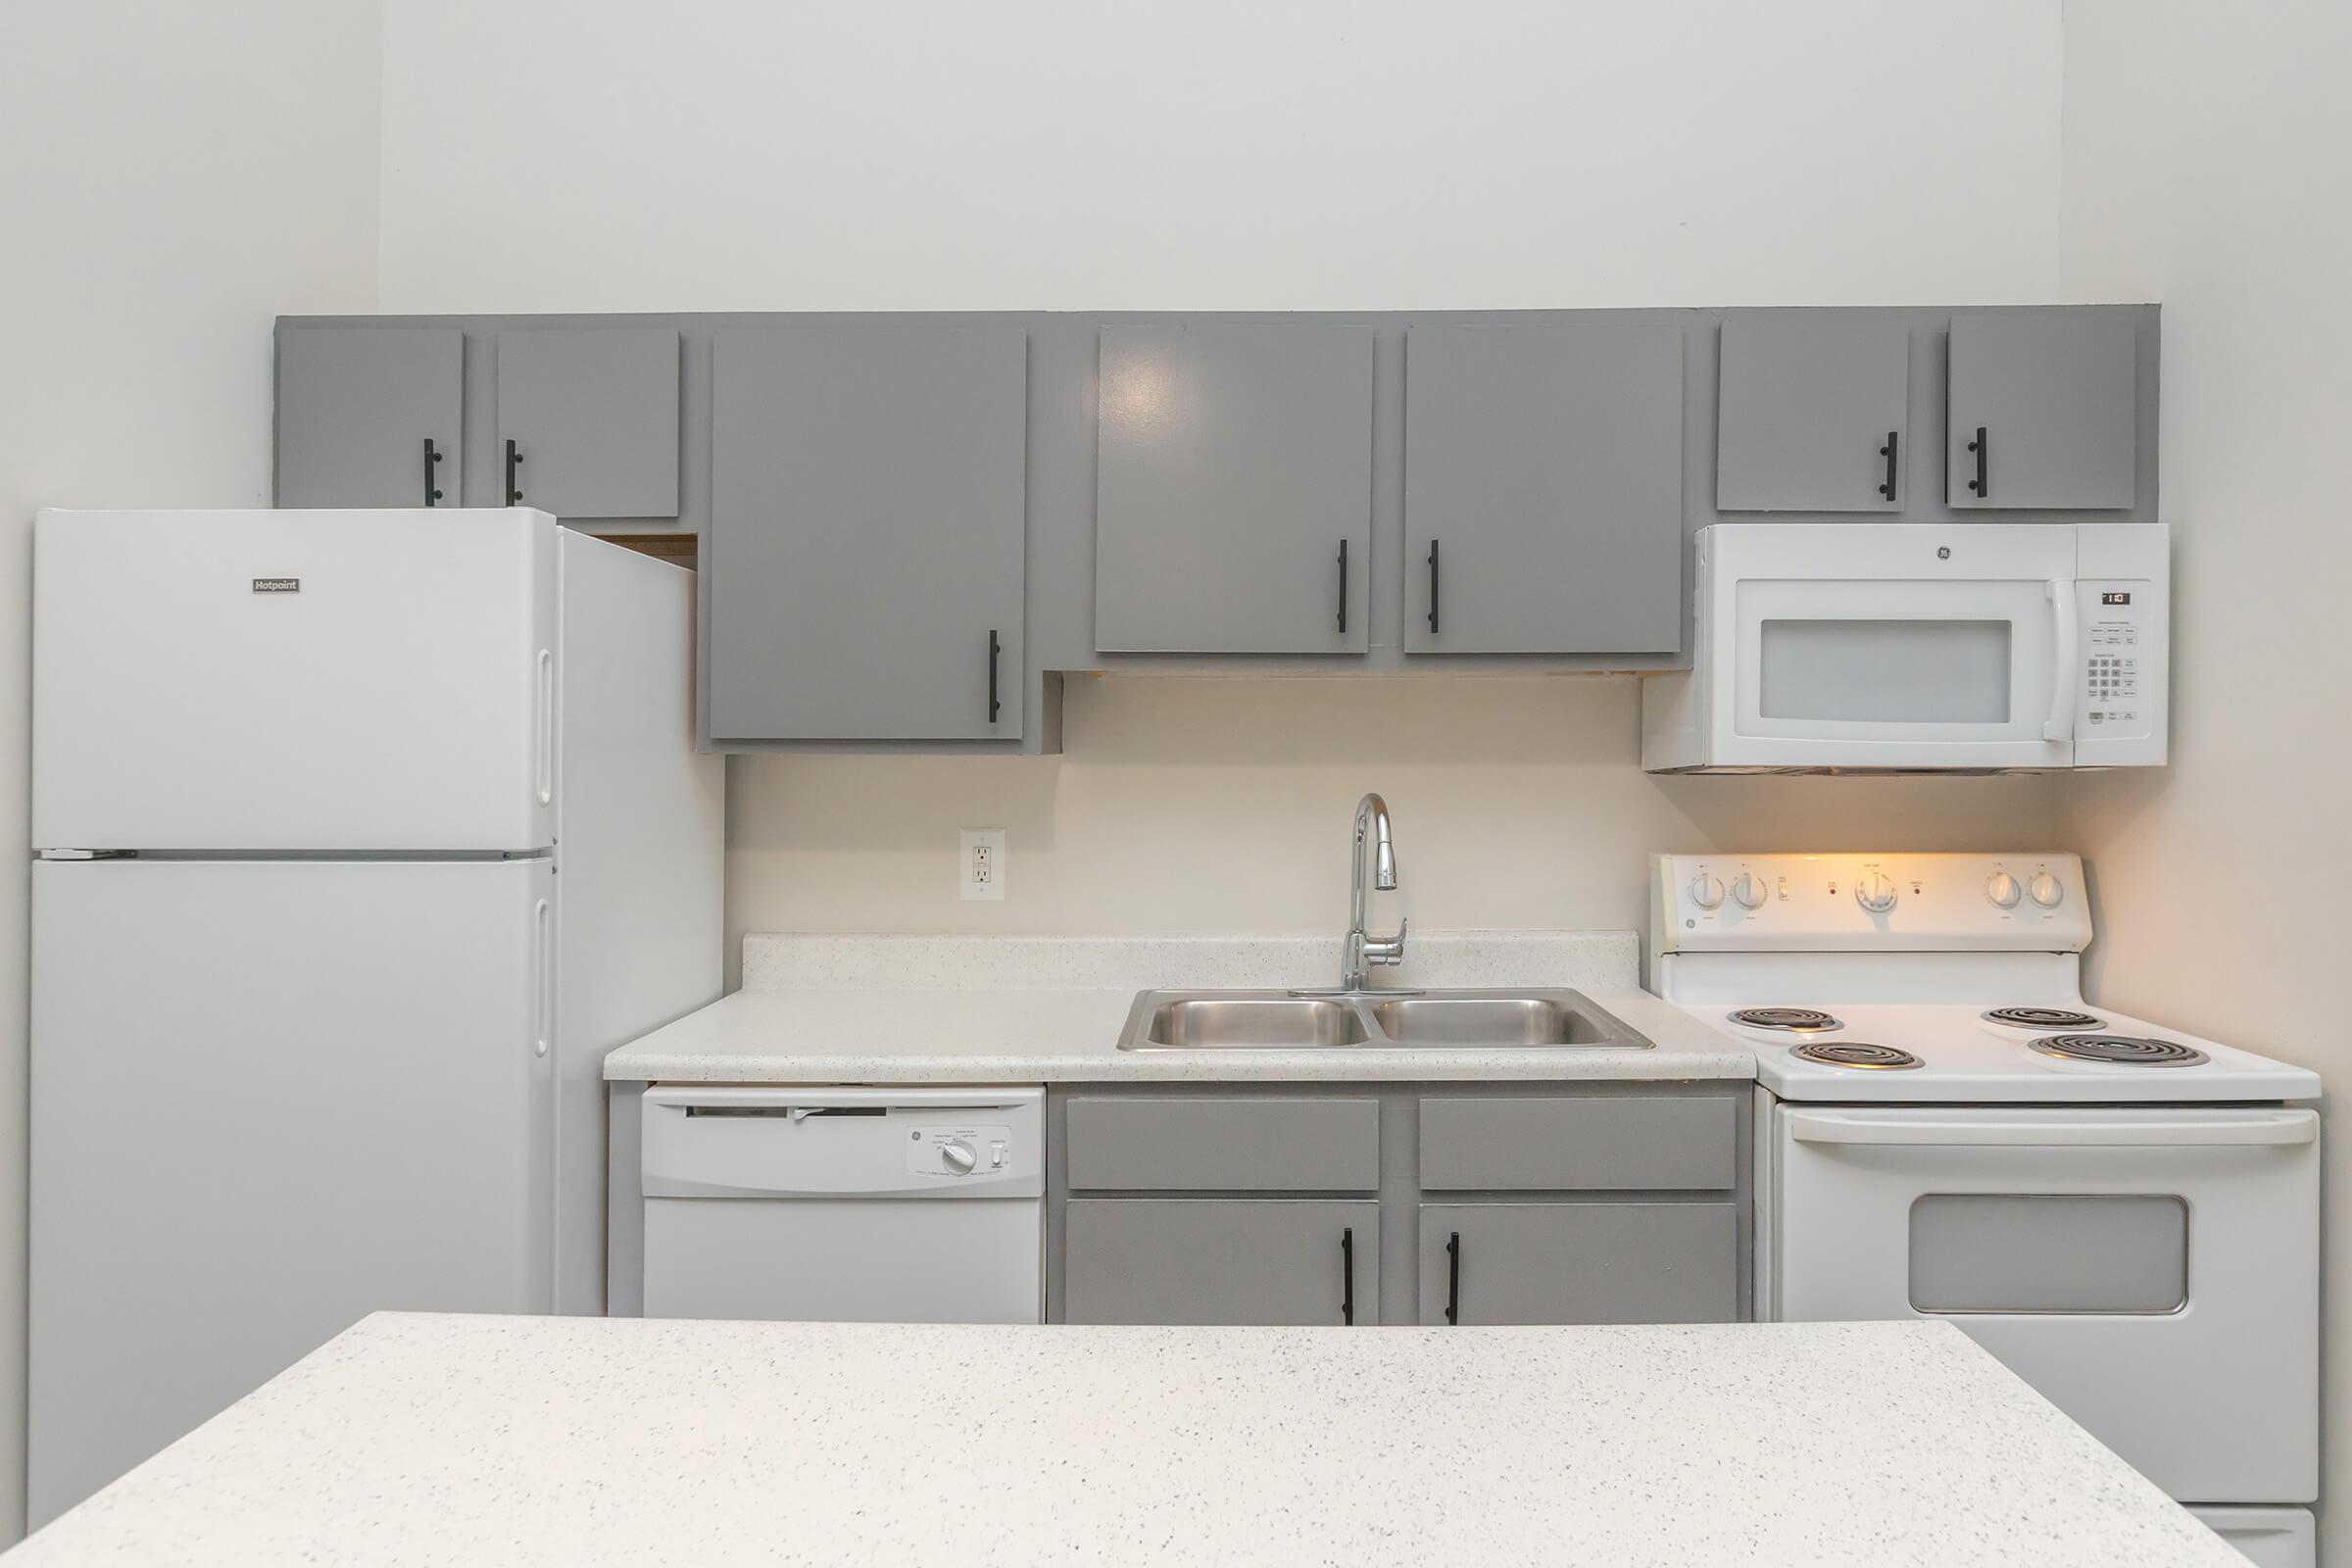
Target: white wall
2206,166
582,155
549,155
171,177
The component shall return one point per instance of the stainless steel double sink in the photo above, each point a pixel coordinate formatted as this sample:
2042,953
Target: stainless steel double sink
1280,1020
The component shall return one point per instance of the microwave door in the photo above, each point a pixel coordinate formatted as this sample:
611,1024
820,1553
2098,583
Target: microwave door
1902,673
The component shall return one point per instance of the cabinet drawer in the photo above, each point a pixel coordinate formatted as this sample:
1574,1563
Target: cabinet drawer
1279,1146
1578,1263
1220,1260
1600,1144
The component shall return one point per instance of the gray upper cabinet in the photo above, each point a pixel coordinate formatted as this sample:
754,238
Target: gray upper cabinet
865,551
1221,1260
2044,411
1233,489
1544,488
588,417
362,413
1578,1263
1812,414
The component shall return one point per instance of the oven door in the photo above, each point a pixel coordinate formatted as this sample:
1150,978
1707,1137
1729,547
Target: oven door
2154,1272
1851,646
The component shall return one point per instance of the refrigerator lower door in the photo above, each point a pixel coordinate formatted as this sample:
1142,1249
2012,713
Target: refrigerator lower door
270,1097
228,681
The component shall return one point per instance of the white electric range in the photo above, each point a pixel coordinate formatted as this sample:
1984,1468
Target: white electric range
2126,1214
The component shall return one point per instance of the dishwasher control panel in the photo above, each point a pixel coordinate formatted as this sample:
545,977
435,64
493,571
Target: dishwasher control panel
953,1150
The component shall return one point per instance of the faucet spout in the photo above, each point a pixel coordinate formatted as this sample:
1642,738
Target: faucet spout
1363,951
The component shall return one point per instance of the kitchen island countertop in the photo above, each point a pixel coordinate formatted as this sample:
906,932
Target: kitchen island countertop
466,1440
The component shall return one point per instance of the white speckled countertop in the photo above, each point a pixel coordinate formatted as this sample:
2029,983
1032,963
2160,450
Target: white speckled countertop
431,1439
1047,1009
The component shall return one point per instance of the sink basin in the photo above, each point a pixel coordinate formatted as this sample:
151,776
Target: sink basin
1486,1020
1277,1020
1243,1022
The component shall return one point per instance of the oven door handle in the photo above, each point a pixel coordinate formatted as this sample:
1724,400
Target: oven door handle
2058,724
2276,1128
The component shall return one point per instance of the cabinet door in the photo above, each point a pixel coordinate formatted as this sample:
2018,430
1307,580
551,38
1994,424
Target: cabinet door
1578,1263
2044,411
1543,489
1220,1260
1233,489
867,525
357,408
593,417
1812,413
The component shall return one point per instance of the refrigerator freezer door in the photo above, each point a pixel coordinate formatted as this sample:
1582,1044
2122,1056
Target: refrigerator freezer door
270,1097
294,680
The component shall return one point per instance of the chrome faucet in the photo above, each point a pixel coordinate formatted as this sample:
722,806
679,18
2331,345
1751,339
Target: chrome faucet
1364,951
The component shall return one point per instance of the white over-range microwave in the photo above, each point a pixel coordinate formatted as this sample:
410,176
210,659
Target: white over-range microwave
1919,646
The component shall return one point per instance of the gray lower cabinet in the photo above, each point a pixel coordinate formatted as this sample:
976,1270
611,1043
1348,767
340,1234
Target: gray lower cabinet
588,420
2044,411
370,416
1233,504
1544,488
866,544
1812,413
1579,1262
1221,1260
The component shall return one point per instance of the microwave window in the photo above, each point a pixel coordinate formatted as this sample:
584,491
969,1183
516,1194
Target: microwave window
1891,671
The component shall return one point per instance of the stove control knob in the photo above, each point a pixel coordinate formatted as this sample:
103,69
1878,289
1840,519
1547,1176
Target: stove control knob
957,1157
1875,893
2046,890
1749,891
1706,891
2002,889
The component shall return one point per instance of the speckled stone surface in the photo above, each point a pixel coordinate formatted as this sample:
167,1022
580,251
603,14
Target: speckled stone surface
426,1439
987,1009
788,961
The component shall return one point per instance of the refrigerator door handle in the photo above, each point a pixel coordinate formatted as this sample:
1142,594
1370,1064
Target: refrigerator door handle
546,763
543,979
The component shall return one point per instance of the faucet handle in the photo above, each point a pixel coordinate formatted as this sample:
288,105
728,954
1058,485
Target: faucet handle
1388,951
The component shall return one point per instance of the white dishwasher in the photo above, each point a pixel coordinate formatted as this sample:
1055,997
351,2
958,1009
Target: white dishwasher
901,1203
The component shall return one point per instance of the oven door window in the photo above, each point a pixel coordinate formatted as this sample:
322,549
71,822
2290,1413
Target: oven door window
2109,1252
1894,660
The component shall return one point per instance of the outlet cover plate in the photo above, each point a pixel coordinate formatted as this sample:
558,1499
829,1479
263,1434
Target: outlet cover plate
980,867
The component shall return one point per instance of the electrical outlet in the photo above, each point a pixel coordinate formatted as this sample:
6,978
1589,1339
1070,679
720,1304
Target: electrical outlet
980,870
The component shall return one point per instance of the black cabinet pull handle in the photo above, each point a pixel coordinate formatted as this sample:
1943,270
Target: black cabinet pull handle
1982,447
1348,1276
1343,587
994,647
432,491
1888,452
1433,585
1454,1281
513,461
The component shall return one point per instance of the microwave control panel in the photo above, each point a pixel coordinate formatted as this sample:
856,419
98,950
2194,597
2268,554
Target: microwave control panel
2122,621
2112,701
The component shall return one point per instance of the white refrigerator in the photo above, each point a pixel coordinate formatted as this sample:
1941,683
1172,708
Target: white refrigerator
361,838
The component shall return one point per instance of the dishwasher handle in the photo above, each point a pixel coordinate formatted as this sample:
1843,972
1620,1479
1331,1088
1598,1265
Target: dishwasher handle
801,1101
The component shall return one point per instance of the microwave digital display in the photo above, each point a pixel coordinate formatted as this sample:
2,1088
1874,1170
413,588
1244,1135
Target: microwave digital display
2123,597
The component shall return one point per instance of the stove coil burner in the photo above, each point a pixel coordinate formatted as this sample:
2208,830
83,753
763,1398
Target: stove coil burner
2127,1050
2045,1018
1855,1053
1796,1020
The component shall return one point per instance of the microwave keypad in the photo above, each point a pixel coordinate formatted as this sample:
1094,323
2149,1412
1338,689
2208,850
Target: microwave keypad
2114,688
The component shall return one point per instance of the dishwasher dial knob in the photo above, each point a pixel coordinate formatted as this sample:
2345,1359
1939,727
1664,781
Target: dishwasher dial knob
1749,891
2002,889
2046,890
1875,893
959,1156
1706,891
